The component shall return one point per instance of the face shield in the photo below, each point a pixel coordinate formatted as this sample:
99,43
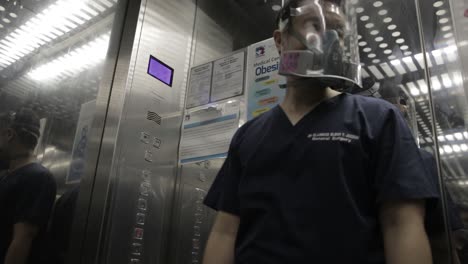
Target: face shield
326,46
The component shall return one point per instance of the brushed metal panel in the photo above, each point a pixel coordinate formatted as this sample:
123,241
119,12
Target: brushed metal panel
166,30
193,220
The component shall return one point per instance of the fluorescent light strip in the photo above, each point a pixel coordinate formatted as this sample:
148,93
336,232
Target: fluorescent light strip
55,21
376,72
437,54
398,66
410,64
75,61
387,69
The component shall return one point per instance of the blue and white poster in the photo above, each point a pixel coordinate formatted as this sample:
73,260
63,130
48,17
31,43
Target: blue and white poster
80,144
263,81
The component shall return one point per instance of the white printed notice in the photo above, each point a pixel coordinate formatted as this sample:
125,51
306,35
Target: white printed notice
228,77
207,133
200,85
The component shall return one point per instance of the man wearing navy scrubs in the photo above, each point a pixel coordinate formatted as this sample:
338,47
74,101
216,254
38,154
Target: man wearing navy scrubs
326,177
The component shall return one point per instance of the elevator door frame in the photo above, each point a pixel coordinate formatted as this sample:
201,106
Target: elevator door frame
89,219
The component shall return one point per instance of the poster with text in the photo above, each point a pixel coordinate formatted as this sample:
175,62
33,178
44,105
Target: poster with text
264,87
228,77
199,85
207,132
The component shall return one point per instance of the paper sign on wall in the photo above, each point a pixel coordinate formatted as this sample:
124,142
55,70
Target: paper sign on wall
207,133
199,85
228,77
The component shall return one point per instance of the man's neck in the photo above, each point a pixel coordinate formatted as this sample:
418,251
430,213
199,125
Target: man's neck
301,100
20,162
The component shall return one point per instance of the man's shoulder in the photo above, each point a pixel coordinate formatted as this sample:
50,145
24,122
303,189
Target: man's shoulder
36,173
371,105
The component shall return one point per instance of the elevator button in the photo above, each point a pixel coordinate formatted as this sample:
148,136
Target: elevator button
149,156
156,142
138,233
145,137
137,249
140,218
142,204
145,188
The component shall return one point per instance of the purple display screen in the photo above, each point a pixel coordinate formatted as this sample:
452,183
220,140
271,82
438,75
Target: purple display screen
160,71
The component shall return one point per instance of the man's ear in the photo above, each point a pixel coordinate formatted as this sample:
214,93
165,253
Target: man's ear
278,36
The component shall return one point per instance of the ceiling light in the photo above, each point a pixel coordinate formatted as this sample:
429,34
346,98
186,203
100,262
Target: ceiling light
456,148
383,12
449,137
464,147
2,8
375,61
378,3
457,78
383,45
400,41
465,134
374,32
52,23
362,43
404,47
359,37
441,138
376,72
276,8
448,149
1,26
441,12
371,55
387,51
458,136
6,20
396,34
392,27
367,49
379,39
410,64
387,20
435,83
359,10
423,86
369,25
446,28
438,4
408,53
441,150
437,54
443,20
75,61
414,91
391,57
364,18
446,80
13,15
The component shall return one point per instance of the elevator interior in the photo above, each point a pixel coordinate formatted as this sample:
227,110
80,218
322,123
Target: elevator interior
115,130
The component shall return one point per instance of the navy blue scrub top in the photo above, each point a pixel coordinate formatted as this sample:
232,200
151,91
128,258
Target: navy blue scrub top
310,193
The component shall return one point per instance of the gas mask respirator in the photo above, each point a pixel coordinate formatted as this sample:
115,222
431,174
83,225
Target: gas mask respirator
330,53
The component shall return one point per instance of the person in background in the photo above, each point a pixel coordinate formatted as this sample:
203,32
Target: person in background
434,218
326,176
27,190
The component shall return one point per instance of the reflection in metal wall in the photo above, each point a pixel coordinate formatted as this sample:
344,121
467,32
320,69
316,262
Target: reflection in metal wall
193,220
51,55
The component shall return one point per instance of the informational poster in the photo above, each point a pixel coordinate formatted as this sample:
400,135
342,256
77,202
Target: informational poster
265,87
80,144
199,85
228,77
207,133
